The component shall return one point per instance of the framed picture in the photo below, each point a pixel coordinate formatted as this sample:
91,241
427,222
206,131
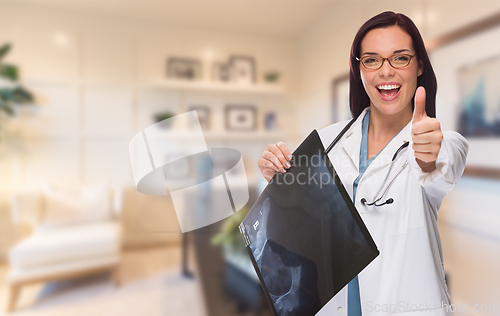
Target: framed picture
466,63
242,69
241,117
203,115
184,68
221,72
479,111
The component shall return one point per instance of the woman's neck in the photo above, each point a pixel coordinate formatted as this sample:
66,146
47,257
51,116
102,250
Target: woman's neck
383,128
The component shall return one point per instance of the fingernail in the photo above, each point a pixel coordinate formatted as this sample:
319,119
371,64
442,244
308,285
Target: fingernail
287,165
283,170
289,157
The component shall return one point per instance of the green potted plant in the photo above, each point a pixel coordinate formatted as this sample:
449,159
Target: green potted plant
233,248
229,237
11,92
159,117
272,76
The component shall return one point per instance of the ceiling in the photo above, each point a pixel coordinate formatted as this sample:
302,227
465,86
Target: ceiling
272,17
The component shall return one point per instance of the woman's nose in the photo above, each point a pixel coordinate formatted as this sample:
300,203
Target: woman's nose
386,70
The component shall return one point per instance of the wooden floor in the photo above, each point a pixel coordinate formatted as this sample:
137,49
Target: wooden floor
140,263
136,264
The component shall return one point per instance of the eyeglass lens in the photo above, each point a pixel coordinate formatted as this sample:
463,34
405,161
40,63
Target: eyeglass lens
396,61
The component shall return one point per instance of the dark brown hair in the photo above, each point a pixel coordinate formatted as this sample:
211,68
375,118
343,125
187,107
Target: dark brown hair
358,98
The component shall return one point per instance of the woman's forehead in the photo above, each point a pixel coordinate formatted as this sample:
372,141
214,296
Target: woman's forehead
386,41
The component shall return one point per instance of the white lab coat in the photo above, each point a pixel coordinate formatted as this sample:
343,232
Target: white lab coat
409,272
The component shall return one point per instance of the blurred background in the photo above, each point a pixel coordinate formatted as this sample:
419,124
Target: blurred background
78,79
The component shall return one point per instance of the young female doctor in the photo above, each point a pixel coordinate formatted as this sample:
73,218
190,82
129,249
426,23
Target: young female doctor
397,166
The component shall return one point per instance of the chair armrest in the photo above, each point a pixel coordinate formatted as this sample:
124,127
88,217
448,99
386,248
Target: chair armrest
26,207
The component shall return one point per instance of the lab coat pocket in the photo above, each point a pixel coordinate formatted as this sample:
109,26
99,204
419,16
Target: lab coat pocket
406,210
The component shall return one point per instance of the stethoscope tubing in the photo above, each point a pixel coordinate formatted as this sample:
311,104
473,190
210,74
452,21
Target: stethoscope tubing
391,200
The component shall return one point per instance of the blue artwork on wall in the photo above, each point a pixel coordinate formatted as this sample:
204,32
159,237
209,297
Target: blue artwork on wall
480,105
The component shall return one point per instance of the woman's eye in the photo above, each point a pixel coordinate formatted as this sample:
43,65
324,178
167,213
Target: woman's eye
370,60
401,58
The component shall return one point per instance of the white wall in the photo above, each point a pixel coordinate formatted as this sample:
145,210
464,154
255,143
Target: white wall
92,75
468,225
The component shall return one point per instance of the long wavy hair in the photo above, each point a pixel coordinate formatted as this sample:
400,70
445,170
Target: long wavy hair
358,99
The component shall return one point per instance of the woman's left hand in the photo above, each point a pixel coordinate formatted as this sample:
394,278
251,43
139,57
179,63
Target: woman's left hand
426,134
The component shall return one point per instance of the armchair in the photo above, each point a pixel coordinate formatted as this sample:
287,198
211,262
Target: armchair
75,233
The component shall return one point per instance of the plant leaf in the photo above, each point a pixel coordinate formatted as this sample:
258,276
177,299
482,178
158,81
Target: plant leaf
9,71
21,95
7,94
4,50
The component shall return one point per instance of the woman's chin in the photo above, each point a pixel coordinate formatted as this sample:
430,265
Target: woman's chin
389,109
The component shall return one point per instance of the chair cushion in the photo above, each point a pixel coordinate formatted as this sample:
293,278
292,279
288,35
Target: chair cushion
46,247
55,271
65,206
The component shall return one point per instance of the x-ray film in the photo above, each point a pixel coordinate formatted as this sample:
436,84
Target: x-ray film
304,236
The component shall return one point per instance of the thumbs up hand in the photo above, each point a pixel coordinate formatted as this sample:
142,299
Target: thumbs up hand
426,134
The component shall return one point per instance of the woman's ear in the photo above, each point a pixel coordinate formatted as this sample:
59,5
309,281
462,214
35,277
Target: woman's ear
420,68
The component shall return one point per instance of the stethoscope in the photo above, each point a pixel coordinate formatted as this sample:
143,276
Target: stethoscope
363,200
389,200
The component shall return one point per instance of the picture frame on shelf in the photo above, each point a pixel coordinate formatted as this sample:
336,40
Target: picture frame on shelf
243,69
241,117
221,72
203,113
184,68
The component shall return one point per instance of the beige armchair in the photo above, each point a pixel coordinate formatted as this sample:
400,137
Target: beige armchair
75,233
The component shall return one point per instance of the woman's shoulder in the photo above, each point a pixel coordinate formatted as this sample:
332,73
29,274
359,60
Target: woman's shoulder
327,134
455,139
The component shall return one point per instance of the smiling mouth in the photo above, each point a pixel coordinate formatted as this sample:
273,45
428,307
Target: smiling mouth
389,92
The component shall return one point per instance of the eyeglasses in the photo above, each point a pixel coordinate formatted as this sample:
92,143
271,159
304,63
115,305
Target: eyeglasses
396,61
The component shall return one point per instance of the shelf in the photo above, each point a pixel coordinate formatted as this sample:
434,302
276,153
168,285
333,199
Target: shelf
257,136
81,82
176,85
203,86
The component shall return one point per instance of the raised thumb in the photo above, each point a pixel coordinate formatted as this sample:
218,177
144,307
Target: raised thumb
419,110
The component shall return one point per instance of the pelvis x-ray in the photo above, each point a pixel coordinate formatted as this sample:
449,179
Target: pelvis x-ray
304,235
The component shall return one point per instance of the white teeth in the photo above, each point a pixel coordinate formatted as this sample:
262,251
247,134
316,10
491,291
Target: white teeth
389,87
